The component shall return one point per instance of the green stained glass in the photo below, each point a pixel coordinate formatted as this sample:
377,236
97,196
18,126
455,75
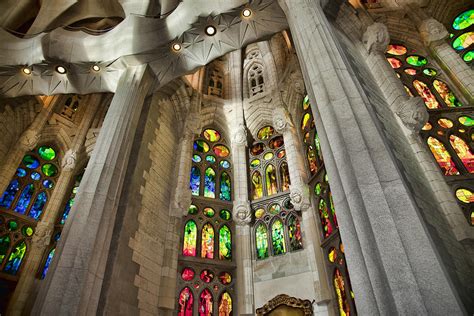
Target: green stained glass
210,159
463,41
27,231
255,163
190,238
278,239
209,212
201,146
192,210
268,156
196,158
317,143
430,72
4,246
30,162
207,241
294,233
49,170
274,209
466,121
261,241
469,56
210,183
445,93
47,153
12,226
225,187
15,259
271,180
265,132
464,20
416,60
225,243
225,215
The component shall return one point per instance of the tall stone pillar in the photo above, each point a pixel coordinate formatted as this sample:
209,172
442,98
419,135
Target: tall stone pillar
180,202
45,227
27,141
434,36
386,244
74,283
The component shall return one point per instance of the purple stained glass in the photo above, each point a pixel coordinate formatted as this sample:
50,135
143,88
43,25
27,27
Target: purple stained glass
9,194
47,263
25,199
38,206
195,180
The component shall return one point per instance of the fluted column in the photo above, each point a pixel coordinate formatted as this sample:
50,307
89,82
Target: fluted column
27,141
45,227
180,202
74,283
381,230
434,36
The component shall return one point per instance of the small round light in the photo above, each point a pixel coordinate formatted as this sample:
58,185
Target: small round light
26,70
176,47
61,69
246,13
96,68
211,30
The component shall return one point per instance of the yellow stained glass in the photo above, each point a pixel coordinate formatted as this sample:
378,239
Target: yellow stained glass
442,156
212,135
426,95
465,195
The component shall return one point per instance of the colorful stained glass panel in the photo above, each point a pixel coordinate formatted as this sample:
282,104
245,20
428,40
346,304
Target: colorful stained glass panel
47,263
225,305
276,142
225,243
261,238
278,239
271,180
207,244
398,50
190,239
394,62
464,20
224,164
416,60
25,199
225,215
9,195
466,121
430,72
225,278
463,41
47,153
31,162
340,288
205,303
49,170
212,135
185,302
257,149
225,187
442,156
426,95
294,233
201,146
207,276
446,94
265,132
38,206
16,257
210,183
187,274
4,246
221,151
465,195
257,186
195,180
208,212
284,177
445,123
463,151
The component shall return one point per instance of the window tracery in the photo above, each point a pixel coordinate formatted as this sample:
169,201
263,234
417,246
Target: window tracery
448,133
215,80
206,262
255,79
462,35
330,238
71,106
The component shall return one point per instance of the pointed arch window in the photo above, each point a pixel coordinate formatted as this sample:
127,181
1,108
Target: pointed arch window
278,239
185,302
206,303
261,237
257,188
462,35
442,156
190,239
255,79
284,177
225,305
210,183
294,233
225,243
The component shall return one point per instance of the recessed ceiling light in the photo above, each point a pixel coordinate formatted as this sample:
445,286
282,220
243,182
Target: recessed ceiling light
246,13
26,70
61,69
176,47
96,68
211,30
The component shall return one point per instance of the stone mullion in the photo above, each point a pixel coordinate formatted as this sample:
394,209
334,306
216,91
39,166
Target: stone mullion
45,227
27,141
362,174
74,282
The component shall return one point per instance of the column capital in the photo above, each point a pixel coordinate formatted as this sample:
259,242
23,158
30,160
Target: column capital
242,213
69,161
376,38
29,139
240,135
42,236
299,195
281,119
432,31
412,112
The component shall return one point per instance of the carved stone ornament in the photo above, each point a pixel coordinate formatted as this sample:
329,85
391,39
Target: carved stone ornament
376,38
69,160
299,196
240,136
283,302
242,214
432,31
29,139
281,119
42,235
413,113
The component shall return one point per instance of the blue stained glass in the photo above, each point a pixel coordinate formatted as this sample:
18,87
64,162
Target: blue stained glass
47,263
9,194
25,199
66,211
210,183
48,184
37,208
196,158
195,180
57,236
210,159
20,172
225,187
224,164
15,259
35,176
31,162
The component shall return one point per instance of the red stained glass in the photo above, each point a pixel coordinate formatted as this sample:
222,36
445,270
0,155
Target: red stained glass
187,274
463,151
185,302
398,50
324,216
394,62
205,303
426,94
442,156
342,299
207,276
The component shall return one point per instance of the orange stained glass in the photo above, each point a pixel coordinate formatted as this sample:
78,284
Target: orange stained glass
225,305
408,91
427,126
442,156
445,123
445,93
463,151
426,95
398,50
342,300
207,242
394,62
257,186
271,180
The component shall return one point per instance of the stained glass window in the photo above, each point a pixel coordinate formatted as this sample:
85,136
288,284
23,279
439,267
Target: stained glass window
47,263
442,156
278,239
257,187
210,183
342,301
463,151
4,246
70,201
185,302
190,239
446,94
285,177
294,233
195,180
462,35
205,303
225,304
426,94
270,180
16,258
225,190
225,243
261,240
207,241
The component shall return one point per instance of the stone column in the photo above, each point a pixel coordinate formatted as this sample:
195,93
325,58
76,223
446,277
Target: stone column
27,141
180,202
45,227
74,283
386,243
434,36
